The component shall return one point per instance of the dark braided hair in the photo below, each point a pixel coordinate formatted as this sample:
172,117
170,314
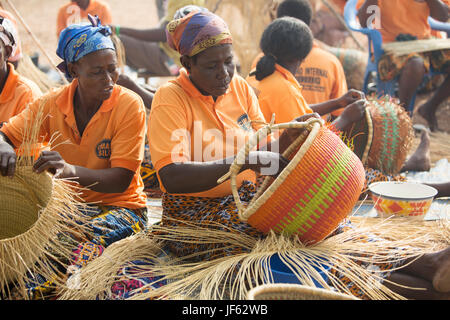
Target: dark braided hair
284,40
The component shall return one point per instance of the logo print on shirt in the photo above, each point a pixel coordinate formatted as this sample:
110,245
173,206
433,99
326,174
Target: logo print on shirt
244,122
103,149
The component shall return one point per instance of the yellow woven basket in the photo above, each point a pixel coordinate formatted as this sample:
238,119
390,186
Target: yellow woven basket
313,194
25,225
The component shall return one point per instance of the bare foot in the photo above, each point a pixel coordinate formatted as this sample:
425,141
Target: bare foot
430,117
420,160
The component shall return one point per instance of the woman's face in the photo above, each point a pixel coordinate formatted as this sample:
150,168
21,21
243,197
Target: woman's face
96,73
211,70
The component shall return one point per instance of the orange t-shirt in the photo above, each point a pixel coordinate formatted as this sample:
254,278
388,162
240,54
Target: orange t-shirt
185,125
71,13
322,77
280,93
17,93
404,16
114,137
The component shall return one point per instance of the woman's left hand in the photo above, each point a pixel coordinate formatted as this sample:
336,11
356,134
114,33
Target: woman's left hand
52,162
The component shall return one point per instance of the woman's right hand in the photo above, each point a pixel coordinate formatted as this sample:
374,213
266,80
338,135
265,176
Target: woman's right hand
266,163
8,159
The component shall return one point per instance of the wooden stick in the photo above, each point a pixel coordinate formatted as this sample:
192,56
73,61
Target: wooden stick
339,17
27,28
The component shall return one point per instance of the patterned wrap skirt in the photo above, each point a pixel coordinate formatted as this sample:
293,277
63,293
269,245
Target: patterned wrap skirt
390,66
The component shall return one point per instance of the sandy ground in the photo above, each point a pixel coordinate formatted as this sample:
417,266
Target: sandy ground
40,16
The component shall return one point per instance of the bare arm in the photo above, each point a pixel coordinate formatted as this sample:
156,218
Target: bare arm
193,177
348,98
110,180
144,93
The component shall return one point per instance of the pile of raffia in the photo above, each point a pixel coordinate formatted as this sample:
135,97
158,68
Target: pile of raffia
35,209
232,277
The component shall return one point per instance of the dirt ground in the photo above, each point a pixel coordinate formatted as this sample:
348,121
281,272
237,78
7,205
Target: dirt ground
40,16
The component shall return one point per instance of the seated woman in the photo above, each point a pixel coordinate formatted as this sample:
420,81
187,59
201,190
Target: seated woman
189,120
100,142
16,91
411,69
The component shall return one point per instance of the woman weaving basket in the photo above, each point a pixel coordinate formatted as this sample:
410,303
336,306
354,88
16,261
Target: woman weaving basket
96,130
209,96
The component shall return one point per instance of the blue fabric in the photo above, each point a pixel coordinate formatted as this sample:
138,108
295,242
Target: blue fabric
78,40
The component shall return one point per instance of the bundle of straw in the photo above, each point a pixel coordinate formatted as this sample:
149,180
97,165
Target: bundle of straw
233,277
401,48
35,209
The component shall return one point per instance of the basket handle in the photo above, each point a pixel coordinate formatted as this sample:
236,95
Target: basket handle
253,142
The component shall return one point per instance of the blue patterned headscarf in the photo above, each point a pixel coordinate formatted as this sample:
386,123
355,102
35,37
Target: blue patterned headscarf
78,40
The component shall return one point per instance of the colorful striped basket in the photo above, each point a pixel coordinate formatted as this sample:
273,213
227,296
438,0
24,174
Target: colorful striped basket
383,139
313,194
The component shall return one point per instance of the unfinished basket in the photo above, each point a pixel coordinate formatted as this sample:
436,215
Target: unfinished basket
313,194
384,137
34,209
294,292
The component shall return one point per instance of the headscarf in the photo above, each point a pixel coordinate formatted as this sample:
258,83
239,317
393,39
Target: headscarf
9,35
78,40
196,32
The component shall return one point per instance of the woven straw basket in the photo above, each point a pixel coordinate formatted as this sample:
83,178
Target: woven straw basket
285,291
383,139
313,194
22,219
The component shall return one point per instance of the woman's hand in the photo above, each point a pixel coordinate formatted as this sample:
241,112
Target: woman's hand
350,97
52,162
8,159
